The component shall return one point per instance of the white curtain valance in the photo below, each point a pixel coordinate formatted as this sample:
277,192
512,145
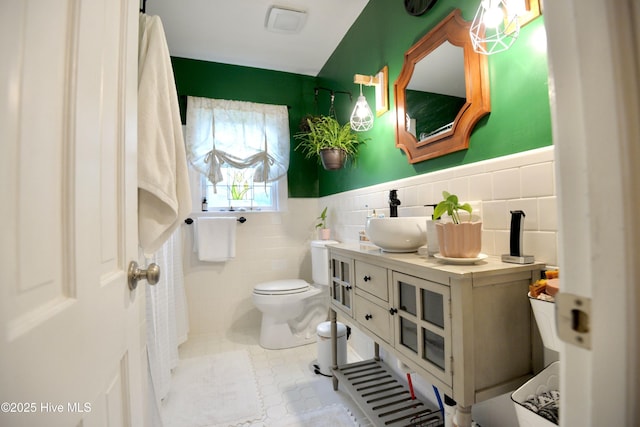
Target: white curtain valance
240,134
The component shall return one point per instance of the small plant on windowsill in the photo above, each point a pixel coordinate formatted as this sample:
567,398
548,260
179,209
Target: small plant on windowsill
240,187
324,232
457,239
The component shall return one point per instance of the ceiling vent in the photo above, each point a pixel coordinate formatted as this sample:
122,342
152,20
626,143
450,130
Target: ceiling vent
280,20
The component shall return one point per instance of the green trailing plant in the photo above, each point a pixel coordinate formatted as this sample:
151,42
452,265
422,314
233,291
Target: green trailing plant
325,132
303,127
322,219
450,205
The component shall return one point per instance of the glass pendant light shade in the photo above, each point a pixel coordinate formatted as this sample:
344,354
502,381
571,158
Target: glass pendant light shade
494,29
362,117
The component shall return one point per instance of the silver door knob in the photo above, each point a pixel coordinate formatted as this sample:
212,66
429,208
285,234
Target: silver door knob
151,274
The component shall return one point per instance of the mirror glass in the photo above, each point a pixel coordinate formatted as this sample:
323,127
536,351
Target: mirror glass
441,93
436,92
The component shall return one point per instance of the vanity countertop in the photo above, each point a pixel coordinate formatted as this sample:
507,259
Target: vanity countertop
422,263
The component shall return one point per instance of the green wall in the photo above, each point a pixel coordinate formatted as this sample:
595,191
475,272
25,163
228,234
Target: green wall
222,81
520,114
519,118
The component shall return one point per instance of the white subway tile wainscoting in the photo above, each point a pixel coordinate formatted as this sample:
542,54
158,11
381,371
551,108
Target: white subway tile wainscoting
523,181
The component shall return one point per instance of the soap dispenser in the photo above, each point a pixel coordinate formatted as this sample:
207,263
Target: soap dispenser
432,236
363,233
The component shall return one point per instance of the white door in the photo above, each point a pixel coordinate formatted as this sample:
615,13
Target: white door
71,332
594,54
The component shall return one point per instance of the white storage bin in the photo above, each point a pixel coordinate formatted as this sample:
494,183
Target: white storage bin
545,314
324,346
547,380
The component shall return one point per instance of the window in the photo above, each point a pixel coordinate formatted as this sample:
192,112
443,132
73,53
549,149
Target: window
240,151
238,191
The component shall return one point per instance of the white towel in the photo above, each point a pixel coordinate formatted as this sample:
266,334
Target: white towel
164,197
216,238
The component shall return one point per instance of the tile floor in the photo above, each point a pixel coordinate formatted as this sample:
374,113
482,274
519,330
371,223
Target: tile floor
285,377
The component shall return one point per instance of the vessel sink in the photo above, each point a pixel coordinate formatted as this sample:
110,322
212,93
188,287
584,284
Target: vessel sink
401,234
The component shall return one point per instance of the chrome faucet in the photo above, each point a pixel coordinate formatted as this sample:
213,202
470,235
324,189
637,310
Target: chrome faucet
393,203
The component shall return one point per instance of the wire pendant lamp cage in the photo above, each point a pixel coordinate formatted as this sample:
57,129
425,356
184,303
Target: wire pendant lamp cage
361,117
494,28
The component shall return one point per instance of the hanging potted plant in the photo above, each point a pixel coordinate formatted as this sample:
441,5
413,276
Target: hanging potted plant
321,226
457,238
333,144
304,127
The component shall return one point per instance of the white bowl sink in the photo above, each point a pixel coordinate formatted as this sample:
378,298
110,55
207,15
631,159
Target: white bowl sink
401,234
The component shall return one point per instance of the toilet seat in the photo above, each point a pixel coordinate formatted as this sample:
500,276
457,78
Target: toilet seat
281,287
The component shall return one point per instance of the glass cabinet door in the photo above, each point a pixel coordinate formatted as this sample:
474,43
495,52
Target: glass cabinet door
423,323
407,311
342,283
433,305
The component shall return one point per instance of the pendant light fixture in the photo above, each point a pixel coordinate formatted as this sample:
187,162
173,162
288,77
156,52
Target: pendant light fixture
361,117
494,28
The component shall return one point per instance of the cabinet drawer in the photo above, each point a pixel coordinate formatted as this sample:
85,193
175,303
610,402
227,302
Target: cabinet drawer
373,317
372,279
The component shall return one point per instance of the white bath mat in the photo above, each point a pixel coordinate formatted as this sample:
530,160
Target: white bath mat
218,390
328,416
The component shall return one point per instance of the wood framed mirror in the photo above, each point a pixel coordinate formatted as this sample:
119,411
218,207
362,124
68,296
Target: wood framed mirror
441,93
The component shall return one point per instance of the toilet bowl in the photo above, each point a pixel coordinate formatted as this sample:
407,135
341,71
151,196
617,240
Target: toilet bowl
292,308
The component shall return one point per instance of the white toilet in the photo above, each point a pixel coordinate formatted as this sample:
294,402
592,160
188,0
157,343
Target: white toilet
292,309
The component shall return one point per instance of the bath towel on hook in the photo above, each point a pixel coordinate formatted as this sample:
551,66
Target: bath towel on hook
164,197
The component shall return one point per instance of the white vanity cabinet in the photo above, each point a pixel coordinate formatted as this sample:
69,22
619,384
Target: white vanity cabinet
467,329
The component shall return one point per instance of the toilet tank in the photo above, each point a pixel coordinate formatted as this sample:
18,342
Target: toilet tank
320,261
